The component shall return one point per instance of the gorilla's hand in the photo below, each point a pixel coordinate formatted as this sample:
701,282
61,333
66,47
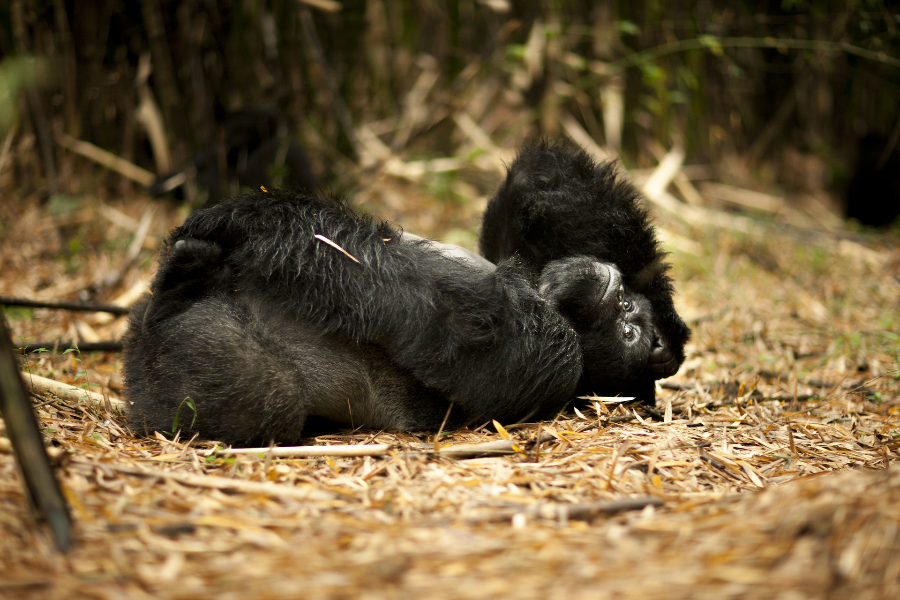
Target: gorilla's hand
582,289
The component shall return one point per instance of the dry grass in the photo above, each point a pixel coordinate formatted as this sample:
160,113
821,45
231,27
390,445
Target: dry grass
770,453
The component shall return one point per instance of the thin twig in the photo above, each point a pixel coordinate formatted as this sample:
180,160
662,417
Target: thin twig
57,346
322,238
220,483
65,305
314,451
437,436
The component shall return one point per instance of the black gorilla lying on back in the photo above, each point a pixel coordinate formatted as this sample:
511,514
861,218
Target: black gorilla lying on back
277,307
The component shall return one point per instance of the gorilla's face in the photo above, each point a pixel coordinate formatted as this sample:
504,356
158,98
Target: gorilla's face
622,348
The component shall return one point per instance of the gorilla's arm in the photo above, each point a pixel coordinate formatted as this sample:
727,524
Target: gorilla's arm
484,338
454,252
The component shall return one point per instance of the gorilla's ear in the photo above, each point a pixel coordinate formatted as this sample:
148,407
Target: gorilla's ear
663,362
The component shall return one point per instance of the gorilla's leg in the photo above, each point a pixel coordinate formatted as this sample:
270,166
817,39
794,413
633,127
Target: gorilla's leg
190,270
235,370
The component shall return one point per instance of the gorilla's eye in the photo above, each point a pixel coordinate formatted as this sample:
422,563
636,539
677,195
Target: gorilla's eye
627,305
628,331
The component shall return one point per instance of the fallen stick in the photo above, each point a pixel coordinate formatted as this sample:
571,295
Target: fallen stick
664,173
314,451
42,385
742,198
113,278
126,298
108,346
581,137
106,158
583,512
493,448
482,140
265,488
65,305
24,437
577,512
496,447
459,451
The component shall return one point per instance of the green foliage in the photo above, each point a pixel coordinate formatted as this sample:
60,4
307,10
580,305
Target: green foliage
176,423
82,372
279,174
712,42
16,73
62,204
789,5
16,313
465,238
628,28
515,52
26,363
652,73
216,459
440,185
889,324
811,260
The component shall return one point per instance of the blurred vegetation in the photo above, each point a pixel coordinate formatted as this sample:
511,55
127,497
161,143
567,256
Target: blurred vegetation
789,86
15,74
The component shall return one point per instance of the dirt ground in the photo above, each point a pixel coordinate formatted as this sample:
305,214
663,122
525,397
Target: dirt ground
764,472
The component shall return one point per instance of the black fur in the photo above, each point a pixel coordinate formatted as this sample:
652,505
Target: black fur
262,325
557,203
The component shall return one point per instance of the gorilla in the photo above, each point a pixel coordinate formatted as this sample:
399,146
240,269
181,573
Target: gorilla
579,224
279,310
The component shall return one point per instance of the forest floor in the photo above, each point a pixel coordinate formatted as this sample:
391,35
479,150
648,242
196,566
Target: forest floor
767,461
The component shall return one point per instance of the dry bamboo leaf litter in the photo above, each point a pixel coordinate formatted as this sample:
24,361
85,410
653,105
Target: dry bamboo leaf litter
408,522
763,473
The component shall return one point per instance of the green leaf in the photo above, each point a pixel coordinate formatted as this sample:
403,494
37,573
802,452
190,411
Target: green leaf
628,28
712,42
